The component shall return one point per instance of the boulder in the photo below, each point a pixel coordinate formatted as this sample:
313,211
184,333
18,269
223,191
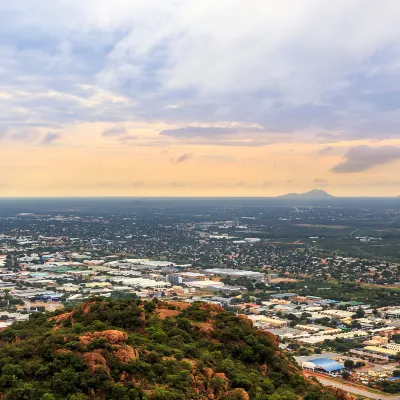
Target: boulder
125,353
94,361
111,336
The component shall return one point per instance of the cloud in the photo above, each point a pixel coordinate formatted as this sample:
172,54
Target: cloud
362,158
50,138
199,132
176,184
240,184
321,182
221,136
21,135
267,183
147,61
116,131
325,150
216,158
127,139
183,158
101,185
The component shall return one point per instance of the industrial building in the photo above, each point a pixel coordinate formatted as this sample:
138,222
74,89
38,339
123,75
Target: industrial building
323,365
236,273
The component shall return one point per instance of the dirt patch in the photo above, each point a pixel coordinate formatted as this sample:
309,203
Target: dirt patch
165,313
204,326
180,305
280,280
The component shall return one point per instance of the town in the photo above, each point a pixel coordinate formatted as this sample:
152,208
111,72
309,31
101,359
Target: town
337,316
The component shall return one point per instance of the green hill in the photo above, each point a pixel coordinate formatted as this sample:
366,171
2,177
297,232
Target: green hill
128,349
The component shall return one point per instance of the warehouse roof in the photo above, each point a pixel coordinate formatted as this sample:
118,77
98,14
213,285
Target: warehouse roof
327,364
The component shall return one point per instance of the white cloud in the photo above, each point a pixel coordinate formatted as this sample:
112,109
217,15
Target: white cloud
287,66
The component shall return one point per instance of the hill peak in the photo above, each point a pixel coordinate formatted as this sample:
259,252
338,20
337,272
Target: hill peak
315,194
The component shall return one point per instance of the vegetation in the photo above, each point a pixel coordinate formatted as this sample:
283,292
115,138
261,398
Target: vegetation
124,349
345,291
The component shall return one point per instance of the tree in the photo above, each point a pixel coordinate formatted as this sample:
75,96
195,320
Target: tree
217,384
359,364
24,391
349,364
149,306
360,313
304,352
48,396
346,374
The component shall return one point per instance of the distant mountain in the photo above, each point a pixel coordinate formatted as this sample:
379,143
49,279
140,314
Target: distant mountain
315,194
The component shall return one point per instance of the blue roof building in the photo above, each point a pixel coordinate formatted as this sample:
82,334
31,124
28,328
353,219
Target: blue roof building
324,365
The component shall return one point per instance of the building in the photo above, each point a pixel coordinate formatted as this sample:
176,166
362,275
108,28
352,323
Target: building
237,273
174,279
323,365
393,313
370,356
281,296
393,346
381,350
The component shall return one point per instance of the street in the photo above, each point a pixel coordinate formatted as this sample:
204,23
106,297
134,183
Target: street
326,381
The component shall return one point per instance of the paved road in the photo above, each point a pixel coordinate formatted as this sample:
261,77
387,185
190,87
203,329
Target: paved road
354,389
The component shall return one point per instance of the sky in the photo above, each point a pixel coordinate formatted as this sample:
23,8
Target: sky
199,98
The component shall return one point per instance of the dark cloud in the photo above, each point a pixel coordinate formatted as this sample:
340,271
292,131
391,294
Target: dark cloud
362,158
183,158
50,138
116,131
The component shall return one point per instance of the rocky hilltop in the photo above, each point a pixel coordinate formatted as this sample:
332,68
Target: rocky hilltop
129,349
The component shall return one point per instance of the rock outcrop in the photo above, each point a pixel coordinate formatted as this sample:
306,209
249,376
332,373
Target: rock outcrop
125,353
94,361
111,336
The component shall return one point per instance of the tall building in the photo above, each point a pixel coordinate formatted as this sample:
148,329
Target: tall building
174,279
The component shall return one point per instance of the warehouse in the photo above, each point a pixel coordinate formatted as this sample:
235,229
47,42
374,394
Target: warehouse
323,365
237,273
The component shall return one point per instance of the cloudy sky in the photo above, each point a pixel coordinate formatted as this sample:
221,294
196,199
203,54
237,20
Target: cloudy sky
190,97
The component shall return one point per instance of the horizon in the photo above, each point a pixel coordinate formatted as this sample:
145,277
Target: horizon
282,196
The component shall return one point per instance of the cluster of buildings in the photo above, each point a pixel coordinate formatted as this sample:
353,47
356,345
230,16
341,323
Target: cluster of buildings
70,276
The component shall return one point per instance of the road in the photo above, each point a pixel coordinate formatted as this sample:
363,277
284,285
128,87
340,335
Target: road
353,389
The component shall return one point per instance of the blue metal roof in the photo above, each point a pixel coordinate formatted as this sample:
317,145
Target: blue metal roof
327,364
